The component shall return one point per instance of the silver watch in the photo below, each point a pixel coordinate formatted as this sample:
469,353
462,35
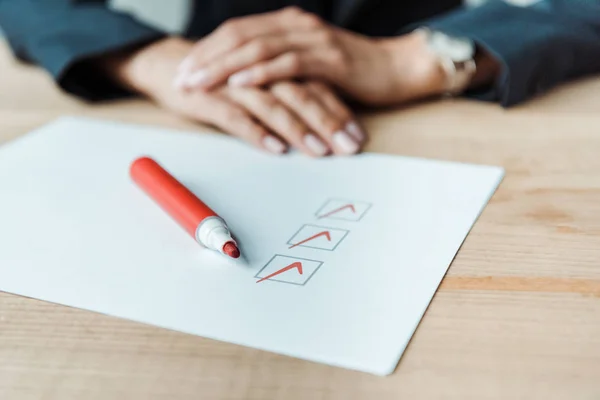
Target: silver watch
456,56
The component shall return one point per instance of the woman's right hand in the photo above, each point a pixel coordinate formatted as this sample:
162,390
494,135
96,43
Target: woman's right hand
305,115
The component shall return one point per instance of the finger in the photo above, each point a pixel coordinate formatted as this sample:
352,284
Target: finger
237,31
336,106
320,119
235,120
292,65
218,70
276,116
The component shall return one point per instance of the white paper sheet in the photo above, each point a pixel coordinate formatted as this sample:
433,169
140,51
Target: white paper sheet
75,230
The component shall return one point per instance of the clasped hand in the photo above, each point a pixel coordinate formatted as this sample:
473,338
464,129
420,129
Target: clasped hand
275,79
291,44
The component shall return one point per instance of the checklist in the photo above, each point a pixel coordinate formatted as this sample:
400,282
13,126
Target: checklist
315,237
284,269
341,255
343,209
318,237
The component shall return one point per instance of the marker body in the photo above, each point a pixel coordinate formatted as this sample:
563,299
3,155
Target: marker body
198,220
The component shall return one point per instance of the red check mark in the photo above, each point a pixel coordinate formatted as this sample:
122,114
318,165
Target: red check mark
324,233
296,264
337,210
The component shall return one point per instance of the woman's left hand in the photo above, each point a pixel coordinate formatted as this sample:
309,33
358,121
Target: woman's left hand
288,44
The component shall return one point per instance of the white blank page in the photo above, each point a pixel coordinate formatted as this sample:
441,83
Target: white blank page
373,236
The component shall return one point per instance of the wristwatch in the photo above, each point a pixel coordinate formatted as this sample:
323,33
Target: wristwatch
456,57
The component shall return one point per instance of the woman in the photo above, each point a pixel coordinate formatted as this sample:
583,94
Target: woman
274,75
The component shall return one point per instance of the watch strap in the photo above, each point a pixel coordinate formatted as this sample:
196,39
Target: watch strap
458,71
458,74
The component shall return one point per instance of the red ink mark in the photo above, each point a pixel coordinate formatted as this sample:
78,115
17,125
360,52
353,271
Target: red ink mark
337,210
296,264
324,233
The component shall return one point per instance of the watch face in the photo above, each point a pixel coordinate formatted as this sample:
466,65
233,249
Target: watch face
458,49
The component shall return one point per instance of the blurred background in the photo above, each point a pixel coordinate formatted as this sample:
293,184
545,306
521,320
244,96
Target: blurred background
170,15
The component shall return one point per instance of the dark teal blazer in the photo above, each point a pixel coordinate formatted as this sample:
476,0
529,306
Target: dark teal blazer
539,46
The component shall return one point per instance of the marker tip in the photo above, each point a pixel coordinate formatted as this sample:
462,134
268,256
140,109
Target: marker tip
231,250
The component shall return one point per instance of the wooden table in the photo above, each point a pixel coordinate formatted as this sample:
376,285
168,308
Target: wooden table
517,316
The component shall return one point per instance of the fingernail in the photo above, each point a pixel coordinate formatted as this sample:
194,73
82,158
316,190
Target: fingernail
240,78
316,146
355,130
344,142
196,78
185,65
273,144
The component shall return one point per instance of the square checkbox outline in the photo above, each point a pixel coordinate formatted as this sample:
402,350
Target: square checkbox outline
293,258
369,205
323,227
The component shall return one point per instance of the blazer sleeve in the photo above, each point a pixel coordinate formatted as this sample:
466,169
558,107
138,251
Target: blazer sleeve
539,46
60,35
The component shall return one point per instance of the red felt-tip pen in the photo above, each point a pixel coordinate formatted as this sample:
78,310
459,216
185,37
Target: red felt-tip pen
199,220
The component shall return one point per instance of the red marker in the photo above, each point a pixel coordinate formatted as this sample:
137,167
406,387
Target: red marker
205,226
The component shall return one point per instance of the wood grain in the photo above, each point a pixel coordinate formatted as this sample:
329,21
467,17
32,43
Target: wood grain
516,317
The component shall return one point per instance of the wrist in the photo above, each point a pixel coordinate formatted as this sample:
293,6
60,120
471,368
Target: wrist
416,71
450,65
149,69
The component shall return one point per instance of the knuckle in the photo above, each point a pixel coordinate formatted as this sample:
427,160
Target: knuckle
294,133
250,130
312,21
287,123
234,114
301,94
280,112
260,50
269,102
337,57
235,39
231,23
293,11
232,32
227,26
260,73
317,86
326,36
294,63
280,89
338,61
329,124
